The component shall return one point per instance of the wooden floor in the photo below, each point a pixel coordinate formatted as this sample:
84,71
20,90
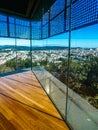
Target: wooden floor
25,106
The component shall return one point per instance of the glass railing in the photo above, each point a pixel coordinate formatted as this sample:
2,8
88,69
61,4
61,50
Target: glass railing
14,55
79,114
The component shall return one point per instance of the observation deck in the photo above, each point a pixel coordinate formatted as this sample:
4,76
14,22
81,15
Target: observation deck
25,105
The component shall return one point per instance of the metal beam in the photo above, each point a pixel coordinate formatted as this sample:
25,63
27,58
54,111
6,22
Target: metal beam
29,8
11,13
35,8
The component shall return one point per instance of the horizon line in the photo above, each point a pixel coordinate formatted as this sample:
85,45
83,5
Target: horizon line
50,46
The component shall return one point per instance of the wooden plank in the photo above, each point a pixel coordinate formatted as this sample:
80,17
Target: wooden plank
5,124
25,106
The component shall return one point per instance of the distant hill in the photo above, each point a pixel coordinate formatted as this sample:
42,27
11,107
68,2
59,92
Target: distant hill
3,47
49,48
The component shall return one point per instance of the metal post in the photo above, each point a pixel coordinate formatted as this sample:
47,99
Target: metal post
65,8
15,44
69,45
49,24
42,23
8,32
31,43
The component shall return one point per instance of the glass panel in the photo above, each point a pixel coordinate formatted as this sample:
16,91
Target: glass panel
57,25
3,29
22,32
3,18
23,54
7,55
84,13
9,29
52,54
11,20
45,19
36,30
14,55
12,30
82,111
22,22
55,89
3,25
68,2
56,8
45,31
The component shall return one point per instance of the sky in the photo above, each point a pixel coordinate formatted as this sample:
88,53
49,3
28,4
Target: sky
85,37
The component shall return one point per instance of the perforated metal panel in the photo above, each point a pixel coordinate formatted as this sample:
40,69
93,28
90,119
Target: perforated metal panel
22,29
14,27
45,25
84,13
36,30
45,32
56,8
57,25
3,25
54,21
45,18
12,30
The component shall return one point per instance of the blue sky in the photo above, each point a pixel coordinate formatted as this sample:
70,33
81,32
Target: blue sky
85,37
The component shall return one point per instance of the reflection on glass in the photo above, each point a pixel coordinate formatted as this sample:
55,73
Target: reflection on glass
7,55
23,54
83,80
14,55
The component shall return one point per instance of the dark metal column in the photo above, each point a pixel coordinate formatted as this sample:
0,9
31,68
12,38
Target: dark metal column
65,10
69,46
31,42
49,25
8,32
42,24
16,60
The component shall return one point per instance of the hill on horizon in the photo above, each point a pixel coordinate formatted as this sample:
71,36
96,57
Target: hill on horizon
33,48
3,47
